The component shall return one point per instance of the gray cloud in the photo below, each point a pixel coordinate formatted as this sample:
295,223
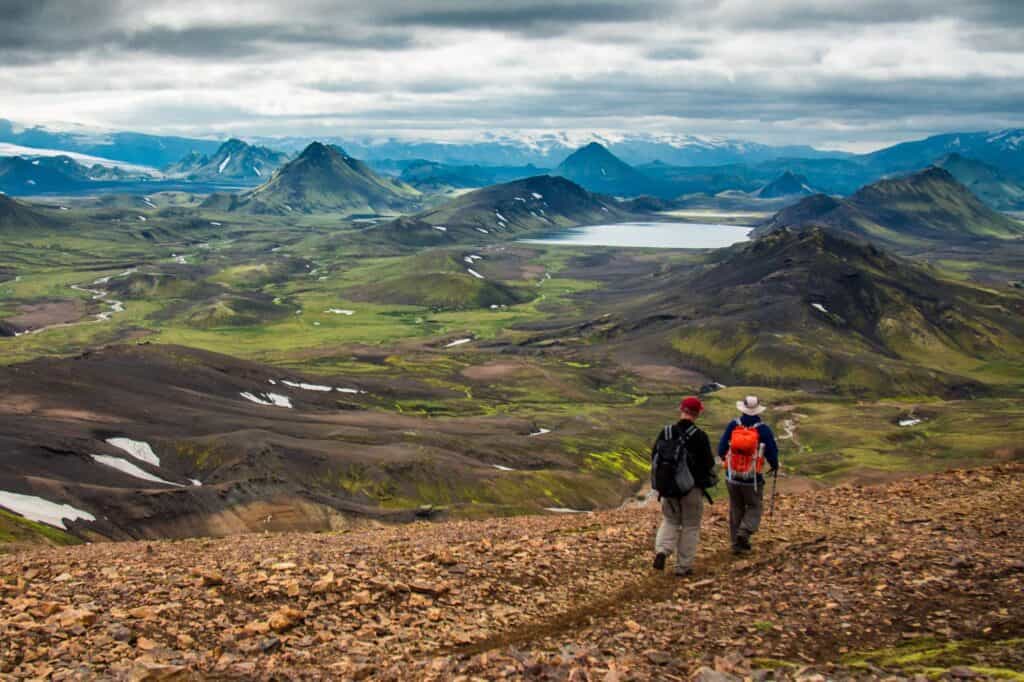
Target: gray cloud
242,40
672,53
551,18
805,69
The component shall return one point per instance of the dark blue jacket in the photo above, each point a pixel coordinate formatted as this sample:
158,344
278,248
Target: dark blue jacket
771,449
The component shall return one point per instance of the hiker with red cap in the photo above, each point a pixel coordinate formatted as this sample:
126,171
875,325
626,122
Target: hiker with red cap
682,469
744,448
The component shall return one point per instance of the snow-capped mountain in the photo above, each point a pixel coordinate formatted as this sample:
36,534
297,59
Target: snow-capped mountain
233,161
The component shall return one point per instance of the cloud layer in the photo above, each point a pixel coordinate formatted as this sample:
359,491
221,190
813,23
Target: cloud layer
833,73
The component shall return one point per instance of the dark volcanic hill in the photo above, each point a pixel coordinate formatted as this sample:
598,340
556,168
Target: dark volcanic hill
926,207
986,182
838,312
505,211
227,446
321,179
786,185
233,161
598,170
809,309
15,216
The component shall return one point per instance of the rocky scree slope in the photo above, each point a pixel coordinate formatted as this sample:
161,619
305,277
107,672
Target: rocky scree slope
837,577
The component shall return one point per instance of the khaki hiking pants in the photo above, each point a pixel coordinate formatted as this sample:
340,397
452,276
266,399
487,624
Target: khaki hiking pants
745,507
680,527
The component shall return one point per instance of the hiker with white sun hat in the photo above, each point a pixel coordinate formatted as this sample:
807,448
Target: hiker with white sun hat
745,446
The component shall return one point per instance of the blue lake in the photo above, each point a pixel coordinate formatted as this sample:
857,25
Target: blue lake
658,235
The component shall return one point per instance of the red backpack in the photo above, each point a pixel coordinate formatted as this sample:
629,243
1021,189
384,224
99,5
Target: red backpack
745,459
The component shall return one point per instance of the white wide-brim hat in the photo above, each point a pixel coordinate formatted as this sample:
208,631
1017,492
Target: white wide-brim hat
750,405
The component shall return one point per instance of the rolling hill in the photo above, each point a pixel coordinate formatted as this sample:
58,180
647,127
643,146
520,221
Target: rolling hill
226,444
321,179
504,211
924,208
598,170
442,279
233,161
987,183
15,216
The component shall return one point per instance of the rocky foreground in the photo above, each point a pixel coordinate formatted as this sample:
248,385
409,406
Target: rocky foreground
919,576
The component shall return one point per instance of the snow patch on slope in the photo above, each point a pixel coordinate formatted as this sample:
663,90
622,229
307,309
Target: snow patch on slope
43,511
137,449
127,467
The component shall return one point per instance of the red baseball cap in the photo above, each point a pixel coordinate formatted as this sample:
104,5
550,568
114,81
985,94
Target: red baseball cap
692,404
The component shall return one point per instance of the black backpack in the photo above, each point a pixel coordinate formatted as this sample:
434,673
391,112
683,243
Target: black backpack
670,466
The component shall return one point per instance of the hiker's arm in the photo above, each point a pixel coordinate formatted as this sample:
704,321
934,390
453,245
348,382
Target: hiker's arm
654,448
707,459
771,448
723,443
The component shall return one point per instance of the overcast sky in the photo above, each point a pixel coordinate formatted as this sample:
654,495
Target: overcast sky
849,74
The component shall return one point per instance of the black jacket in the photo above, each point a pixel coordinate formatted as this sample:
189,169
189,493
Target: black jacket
702,462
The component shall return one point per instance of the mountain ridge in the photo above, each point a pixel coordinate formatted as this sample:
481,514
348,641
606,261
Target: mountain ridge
322,178
925,207
504,211
233,160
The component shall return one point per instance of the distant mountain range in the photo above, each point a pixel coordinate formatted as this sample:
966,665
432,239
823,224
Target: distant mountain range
929,206
233,160
547,150
986,182
674,165
431,176
46,174
157,151
322,179
1003,150
502,211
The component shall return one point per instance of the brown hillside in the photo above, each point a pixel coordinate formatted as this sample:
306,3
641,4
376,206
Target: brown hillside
931,564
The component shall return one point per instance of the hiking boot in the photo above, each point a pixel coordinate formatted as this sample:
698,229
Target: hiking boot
742,545
659,561
684,572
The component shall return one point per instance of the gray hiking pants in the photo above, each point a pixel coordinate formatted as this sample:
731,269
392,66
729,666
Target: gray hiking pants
745,507
680,527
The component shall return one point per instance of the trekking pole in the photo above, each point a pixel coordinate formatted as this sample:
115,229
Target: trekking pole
775,486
